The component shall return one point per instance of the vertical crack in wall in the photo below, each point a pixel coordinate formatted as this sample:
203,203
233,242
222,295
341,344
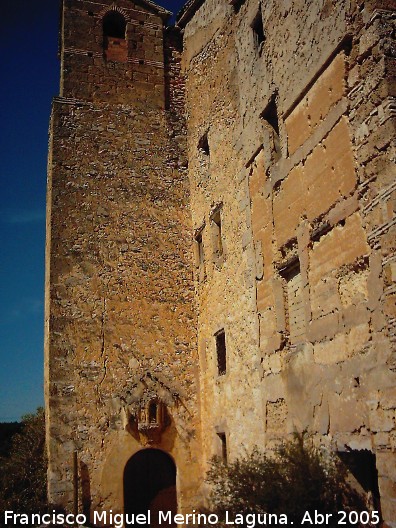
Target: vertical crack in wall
103,321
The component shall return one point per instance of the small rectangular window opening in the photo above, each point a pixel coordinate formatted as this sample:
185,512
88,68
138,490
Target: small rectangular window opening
203,145
199,253
218,243
270,114
270,118
221,353
198,240
223,440
258,31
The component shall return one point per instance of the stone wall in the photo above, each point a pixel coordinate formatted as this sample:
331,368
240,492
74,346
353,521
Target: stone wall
120,324
291,126
221,240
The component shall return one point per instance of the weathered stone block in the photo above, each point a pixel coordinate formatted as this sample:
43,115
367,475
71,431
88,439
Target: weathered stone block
261,213
325,298
335,248
328,89
289,205
357,338
267,323
353,288
388,509
346,414
297,126
272,364
381,441
382,420
325,327
355,315
386,465
388,398
321,422
265,296
331,352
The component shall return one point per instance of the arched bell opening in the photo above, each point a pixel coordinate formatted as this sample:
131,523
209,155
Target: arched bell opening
114,37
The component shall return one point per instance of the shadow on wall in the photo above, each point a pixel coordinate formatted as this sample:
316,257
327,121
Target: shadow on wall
86,491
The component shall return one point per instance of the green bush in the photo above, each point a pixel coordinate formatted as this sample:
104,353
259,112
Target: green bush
294,479
23,472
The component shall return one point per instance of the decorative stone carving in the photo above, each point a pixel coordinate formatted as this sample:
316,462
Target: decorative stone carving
151,417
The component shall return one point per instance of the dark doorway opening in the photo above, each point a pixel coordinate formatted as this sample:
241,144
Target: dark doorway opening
362,466
150,484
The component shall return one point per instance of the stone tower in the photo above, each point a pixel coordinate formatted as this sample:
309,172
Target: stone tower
120,330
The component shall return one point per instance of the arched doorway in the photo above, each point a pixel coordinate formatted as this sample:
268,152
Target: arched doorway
150,484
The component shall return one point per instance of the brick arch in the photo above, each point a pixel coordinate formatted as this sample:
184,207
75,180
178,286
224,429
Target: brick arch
114,7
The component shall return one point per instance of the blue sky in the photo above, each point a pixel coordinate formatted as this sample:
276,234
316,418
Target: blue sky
29,79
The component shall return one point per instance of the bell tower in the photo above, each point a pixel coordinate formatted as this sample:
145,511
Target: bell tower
113,53
120,325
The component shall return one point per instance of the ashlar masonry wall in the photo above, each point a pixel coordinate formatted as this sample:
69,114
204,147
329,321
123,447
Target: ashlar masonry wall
291,124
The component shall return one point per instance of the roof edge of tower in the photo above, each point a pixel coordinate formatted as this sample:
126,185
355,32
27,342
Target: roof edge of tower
187,12
164,13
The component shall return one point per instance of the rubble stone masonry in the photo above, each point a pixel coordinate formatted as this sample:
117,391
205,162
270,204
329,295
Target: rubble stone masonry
120,324
221,240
